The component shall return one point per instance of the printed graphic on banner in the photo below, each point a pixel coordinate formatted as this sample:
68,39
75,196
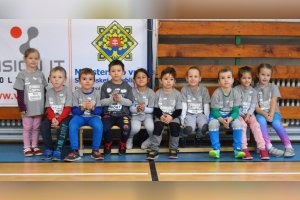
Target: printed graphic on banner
49,37
115,42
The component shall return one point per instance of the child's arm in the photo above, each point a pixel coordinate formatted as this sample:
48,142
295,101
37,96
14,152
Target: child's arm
77,110
20,99
133,109
183,112
272,106
260,111
148,110
125,102
50,113
97,110
65,113
206,110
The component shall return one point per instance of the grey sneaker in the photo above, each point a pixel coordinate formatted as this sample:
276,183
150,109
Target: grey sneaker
289,152
276,152
146,144
129,143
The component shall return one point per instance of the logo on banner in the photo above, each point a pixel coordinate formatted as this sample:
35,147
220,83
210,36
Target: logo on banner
114,42
32,32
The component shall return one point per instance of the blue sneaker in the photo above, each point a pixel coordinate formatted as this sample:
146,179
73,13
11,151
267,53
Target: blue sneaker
48,154
238,153
56,155
214,153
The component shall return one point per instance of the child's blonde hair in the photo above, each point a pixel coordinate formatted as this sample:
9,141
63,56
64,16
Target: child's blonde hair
58,68
31,50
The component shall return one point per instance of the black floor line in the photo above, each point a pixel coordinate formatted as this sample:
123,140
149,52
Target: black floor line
153,171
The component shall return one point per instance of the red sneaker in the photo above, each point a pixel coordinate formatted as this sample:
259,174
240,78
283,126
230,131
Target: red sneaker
264,155
28,152
247,156
37,151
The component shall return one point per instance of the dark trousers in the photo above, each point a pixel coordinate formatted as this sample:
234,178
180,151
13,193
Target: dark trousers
61,133
123,122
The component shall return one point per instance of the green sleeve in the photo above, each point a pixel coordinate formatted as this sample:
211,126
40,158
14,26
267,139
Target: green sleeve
235,112
216,112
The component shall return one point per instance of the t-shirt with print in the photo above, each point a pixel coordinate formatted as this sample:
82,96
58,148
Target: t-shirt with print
34,85
79,97
248,100
147,97
115,108
264,96
168,102
224,103
195,99
58,100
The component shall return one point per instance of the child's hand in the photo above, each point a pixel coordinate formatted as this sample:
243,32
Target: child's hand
54,123
168,118
224,122
89,105
247,118
163,118
23,113
228,120
116,97
269,118
140,107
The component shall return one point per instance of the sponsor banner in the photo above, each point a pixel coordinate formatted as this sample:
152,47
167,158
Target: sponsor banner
96,42
50,37
72,44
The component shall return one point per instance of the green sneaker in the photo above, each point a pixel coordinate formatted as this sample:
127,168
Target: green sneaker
214,153
239,153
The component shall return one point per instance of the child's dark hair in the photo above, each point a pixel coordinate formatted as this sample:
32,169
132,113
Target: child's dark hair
226,69
264,65
31,50
168,70
193,67
58,68
116,62
140,70
86,71
243,70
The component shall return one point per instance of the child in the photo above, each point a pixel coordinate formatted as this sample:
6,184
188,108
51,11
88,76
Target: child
247,108
225,104
58,106
116,98
167,110
86,111
268,111
195,105
30,85
142,108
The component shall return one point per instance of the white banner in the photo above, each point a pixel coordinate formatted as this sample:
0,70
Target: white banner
72,44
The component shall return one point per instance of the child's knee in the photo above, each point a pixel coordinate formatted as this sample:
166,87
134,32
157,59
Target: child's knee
214,124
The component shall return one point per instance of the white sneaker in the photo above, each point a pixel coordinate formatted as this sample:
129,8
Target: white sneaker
146,144
289,152
276,152
129,143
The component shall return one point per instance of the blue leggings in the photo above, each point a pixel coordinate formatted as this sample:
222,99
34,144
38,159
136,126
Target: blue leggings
277,125
78,121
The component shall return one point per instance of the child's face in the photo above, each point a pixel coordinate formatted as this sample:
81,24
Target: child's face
193,77
141,79
32,60
264,76
246,79
58,79
116,72
167,81
86,81
226,80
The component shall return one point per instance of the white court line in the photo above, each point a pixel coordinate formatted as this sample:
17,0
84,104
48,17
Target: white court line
74,174
229,173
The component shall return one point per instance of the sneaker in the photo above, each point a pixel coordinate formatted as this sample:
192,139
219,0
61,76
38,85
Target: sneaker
37,151
289,152
107,149
264,155
48,154
182,142
28,152
73,156
248,155
56,155
96,155
129,143
238,153
214,153
152,155
173,153
146,144
122,148
276,152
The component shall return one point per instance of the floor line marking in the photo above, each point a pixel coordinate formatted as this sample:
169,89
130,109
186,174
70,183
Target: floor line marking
73,174
229,173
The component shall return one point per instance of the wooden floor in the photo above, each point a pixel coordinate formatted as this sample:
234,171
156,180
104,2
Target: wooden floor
166,171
